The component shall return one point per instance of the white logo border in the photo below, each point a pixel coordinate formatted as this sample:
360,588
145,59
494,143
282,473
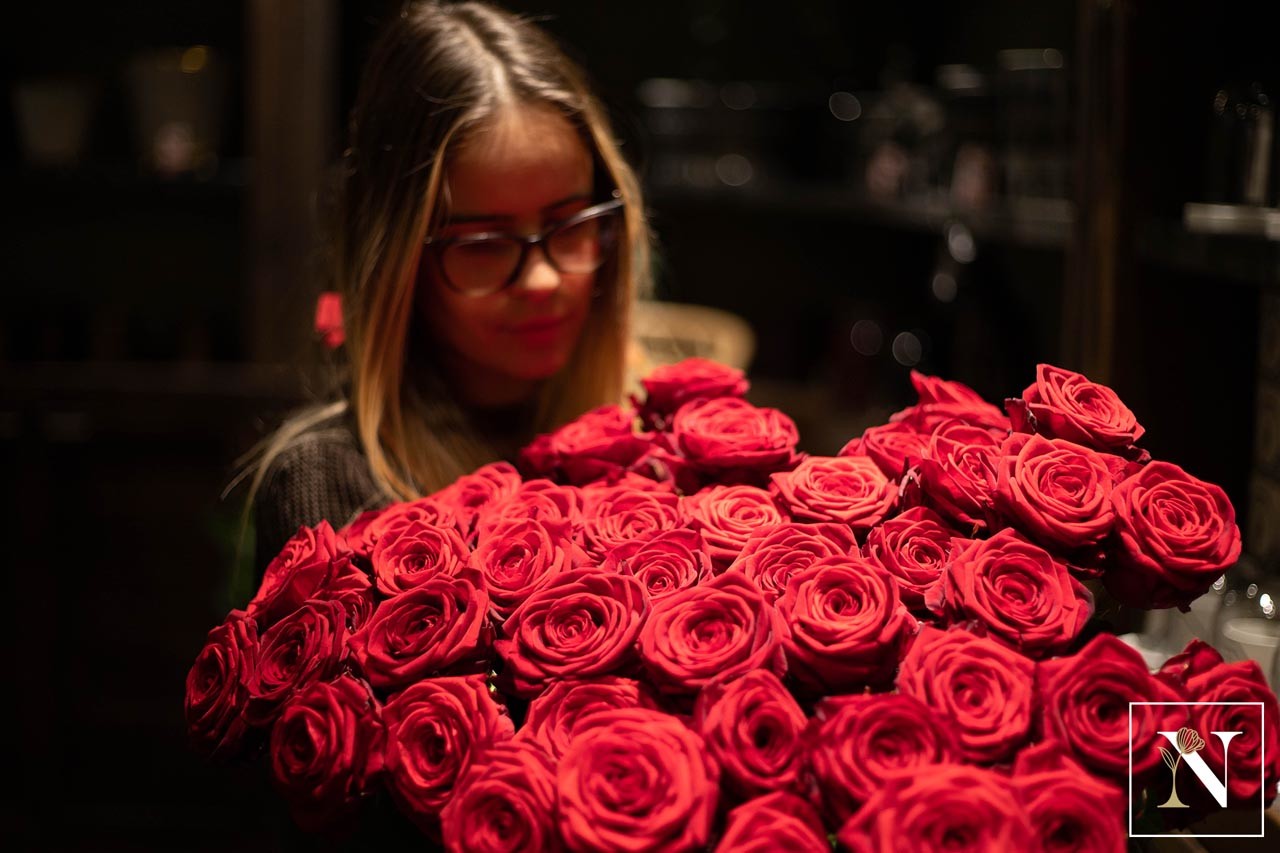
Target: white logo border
1262,789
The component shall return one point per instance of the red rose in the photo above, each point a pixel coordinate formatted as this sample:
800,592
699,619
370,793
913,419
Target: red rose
1177,535
773,554
582,624
554,714
600,444
854,742
727,516
636,780
734,441
506,802
669,562
844,489
520,557
1067,405
953,807
537,500
914,547
439,625
985,690
326,748
434,729
216,696
932,389
413,553
925,418
1055,492
430,510
958,473
308,645
845,625
1017,591
670,386
617,515
777,821
1200,673
472,493
313,564
754,730
721,628
893,447
353,534
1085,707
1067,805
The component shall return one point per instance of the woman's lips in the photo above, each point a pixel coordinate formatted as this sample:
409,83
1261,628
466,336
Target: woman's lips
540,331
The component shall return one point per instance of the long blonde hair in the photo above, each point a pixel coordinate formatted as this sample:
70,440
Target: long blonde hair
438,72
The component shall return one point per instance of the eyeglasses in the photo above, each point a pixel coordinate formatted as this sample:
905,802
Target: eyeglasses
482,264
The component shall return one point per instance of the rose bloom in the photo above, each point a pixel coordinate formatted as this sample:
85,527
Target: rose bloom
854,742
932,389
1055,492
1177,535
734,441
669,562
600,443
472,493
1200,673
520,557
535,500
914,547
617,515
436,626
364,536
983,689
1067,405
216,696
943,400
315,563
308,645
553,716
754,730
953,807
893,447
777,821
844,489
958,474
1085,707
1017,591
773,554
636,780
326,749
412,553
434,728
727,516
505,803
845,625
670,386
1069,808
582,624
721,628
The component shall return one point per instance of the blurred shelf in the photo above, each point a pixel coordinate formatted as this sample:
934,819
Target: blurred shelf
1232,219
1222,255
1033,222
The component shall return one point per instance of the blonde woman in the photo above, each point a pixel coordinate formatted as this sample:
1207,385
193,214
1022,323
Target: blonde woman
491,241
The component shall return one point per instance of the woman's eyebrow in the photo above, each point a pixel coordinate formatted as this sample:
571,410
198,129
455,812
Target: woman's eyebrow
503,217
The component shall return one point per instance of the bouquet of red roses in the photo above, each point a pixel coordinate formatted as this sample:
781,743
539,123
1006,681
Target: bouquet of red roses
669,630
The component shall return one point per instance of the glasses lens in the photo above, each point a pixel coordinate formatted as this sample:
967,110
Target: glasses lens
583,246
480,266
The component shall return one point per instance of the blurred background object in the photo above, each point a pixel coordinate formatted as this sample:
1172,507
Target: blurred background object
963,189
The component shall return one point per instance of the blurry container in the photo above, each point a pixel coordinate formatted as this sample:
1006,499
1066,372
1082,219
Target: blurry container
179,100
1247,625
53,120
1242,147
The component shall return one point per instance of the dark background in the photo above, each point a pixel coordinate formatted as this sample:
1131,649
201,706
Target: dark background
154,327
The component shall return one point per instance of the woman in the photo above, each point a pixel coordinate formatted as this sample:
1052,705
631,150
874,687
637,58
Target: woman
490,243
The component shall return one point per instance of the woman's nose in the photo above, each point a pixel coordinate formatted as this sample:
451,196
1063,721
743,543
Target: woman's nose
538,276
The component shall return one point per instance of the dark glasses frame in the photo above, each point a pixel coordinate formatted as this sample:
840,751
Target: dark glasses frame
436,246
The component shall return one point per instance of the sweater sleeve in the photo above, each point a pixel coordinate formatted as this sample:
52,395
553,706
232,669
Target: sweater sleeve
322,476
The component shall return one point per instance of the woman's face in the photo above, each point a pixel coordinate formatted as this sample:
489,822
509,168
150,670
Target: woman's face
519,174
